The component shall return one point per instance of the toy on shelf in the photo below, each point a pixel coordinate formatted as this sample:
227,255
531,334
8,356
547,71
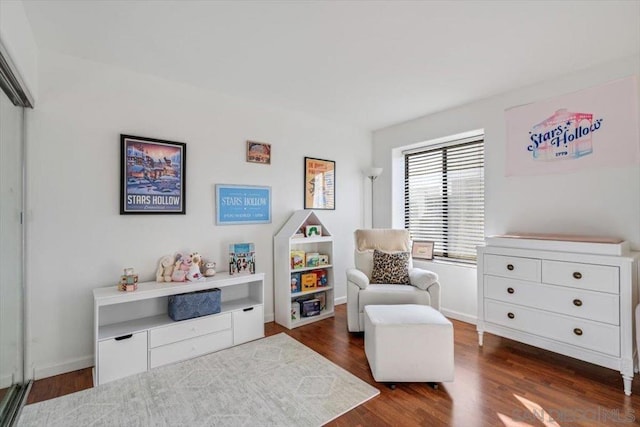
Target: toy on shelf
193,273
209,269
165,268
180,269
128,281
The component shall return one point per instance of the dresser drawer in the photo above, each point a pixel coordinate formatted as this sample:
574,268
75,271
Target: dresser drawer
190,348
594,336
593,277
513,267
122,356
191,328
596,306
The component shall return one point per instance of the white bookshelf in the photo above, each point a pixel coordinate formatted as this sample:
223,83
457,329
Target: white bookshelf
283,243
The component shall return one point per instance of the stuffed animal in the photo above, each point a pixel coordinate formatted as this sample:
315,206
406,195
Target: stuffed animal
209,268
193,273
181,267
165,269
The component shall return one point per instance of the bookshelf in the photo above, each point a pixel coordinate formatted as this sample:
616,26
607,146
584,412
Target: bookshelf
286,241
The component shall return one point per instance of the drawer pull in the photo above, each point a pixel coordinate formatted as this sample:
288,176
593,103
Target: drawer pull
510,267
577,275
577,302
124,337
510,290
247,309
577,331
511,315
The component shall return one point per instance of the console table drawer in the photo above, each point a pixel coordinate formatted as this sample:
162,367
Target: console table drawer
122,356
512,267
595,336
593,277
190,348
248,324
191,328
596,306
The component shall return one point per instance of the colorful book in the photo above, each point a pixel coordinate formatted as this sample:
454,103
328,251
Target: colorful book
242,258
309,281
297,259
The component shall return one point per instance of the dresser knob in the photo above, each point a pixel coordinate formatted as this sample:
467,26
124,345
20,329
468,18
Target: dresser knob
577,331
510,267
577,275
512,316
510,290
577,302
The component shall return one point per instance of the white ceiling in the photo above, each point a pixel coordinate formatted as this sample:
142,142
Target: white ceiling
369,64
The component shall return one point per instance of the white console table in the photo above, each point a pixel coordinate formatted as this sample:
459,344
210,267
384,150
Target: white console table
573,298
133,332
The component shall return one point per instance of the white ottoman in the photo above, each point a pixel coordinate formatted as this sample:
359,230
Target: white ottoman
408,343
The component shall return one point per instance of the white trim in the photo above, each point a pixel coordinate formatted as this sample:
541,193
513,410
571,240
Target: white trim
62,368
341,300
463,317
269,318
445,141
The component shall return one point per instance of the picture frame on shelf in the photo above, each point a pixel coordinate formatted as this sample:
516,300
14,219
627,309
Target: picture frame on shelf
152,176
422,249
258,152
313,231
319,184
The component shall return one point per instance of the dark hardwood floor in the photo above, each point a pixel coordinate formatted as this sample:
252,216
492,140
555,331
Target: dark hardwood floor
501,383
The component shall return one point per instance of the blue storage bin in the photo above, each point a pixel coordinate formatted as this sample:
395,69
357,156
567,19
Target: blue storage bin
194,304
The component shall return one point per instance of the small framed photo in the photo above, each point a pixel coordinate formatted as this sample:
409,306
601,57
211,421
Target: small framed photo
152,176
313,230
422,249
258,152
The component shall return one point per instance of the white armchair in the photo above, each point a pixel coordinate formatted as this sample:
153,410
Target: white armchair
423,287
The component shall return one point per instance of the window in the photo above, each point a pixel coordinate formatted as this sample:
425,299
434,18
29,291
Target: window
444,197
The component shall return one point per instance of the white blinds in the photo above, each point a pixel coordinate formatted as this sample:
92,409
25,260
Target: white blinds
444,198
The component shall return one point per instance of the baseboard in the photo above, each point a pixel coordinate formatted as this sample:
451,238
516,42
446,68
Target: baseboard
62,368
463,317
269,318
341,300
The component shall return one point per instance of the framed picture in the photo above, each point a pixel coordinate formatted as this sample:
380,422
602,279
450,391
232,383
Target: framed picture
152,176
242,204
258,152
319,184
422,250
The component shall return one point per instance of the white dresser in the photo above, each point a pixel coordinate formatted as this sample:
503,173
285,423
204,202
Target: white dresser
573,298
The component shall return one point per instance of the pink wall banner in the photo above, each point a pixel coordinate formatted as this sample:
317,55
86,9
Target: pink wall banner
594,127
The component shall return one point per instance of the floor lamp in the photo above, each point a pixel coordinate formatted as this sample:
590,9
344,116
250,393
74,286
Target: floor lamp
373,174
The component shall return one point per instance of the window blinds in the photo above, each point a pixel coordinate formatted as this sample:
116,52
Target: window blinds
444,198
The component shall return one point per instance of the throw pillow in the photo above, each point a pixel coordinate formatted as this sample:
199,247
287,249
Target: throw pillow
390,268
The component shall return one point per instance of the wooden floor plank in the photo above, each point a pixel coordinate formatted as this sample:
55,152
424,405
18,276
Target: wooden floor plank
501,383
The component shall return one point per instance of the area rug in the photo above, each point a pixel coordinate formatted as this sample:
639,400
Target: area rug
275,381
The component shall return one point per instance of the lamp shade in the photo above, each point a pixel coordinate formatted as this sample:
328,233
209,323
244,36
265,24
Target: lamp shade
373,173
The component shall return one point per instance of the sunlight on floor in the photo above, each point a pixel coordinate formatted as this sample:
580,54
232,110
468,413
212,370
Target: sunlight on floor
535,411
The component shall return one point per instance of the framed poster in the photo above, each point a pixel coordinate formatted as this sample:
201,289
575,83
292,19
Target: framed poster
319,184
258,152
422,250
242,204
152,176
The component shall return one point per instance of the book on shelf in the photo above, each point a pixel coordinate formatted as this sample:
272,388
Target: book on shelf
296,285
322,297
313,230
321,277
312,259
242,258
323,259
309,281
297,259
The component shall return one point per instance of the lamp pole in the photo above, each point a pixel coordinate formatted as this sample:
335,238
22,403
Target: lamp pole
373,174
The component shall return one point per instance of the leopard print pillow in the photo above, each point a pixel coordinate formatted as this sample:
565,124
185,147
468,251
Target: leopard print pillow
390,267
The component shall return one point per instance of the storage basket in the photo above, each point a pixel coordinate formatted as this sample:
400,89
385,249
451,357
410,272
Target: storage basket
194,304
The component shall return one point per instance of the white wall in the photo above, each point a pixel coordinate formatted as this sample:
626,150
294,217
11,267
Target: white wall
17,38
600,202
77,238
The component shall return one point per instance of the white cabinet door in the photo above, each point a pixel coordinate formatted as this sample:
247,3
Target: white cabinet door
122,356
248,324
